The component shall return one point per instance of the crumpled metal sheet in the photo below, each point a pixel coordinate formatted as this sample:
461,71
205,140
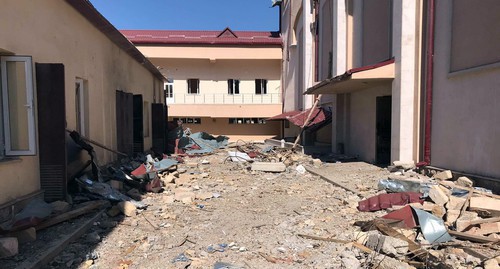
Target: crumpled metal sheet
237,156
432,227
396,185
106,191
387,200
404,214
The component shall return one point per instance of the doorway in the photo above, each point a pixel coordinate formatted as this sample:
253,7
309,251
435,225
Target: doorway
383,132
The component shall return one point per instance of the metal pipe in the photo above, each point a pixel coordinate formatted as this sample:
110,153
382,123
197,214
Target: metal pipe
429,79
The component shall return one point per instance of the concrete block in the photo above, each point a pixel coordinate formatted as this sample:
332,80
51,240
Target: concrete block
185,197
24,236
387,245
455,203
491,264
444,175
406,165
438,195
482,203
59,207
8,247
268,167
438,211
464,220
489,228
127,208
465,182
452,216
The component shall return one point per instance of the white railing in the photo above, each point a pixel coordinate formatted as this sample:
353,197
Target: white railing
219,98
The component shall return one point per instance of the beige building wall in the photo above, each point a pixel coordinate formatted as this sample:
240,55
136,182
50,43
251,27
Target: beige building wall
51,31
465,112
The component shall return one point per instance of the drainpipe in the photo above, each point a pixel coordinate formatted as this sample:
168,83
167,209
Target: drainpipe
429,80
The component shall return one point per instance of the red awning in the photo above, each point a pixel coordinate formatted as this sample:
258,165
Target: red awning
319,115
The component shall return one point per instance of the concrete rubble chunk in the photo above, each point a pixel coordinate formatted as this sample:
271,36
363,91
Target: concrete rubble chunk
390,263
452,216
464,220
184,196
204,195
465,182
489,228
9,247
406,165
127,208
482,203
24,236
388,245
59,207
438,195
438,211
444,175
455,203
491,264
268,166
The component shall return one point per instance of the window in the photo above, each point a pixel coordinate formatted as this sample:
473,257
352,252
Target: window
81,105
169,90
17,122
233,86
261,86
247,121
188,120
193,86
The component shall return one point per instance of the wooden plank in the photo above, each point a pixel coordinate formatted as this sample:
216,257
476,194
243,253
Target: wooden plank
330,180
48,255
72,214
480,221
473,238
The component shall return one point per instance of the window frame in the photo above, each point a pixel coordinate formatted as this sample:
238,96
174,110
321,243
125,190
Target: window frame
5,136
189,85
80,107
233,86
260,86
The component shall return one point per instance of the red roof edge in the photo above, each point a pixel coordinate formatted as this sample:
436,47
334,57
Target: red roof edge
227,30
369,67
88,11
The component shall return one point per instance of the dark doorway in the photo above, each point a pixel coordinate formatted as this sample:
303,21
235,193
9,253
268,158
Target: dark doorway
138,124
52,130
159,121
383,154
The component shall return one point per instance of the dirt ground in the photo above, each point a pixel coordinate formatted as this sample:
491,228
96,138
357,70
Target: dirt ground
253,220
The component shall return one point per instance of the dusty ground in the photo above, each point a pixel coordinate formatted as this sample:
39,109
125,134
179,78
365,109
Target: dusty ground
258,216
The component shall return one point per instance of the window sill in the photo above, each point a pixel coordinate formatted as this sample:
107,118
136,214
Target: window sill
9,160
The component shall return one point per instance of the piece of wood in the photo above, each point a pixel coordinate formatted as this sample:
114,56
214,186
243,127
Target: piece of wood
72,214
414,248
467,200
306,122
317,172
473,238
328,239
479,221
95,143
43,258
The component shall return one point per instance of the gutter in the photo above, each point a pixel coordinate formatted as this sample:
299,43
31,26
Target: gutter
429,77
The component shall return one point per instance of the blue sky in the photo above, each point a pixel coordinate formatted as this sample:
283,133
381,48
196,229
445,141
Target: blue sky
239,15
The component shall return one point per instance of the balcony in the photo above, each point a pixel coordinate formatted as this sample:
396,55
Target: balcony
221,99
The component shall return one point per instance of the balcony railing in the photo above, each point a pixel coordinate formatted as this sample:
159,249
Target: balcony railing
219,98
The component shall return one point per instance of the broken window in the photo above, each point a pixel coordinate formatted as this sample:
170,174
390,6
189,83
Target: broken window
233,86
188,120
17,122
261,86
169,90
193,86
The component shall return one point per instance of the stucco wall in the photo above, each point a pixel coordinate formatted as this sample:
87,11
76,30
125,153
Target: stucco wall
465,124
51,31
362,124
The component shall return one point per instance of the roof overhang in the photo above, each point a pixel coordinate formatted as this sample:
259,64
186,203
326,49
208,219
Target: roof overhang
356,79
318,116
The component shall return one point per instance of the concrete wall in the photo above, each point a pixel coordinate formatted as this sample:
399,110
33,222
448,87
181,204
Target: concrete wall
246,132
465,125
51,31
361,140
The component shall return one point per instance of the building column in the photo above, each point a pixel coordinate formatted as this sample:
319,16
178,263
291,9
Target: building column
404,87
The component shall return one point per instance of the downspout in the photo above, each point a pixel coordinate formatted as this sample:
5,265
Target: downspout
316,40
429,76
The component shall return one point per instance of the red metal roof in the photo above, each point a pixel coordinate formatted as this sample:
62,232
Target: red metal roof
224,37
297,117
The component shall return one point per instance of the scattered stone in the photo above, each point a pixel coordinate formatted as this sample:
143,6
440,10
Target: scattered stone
185,197
388,245
464,220
482,203
24,236
8,247
438,211
88,263
317,162
491,264
406,165
444,175
113,211
384,262
268,167
452,216
192,165
455,203
127,208
465,182
489,228
93,238
59,207
438,195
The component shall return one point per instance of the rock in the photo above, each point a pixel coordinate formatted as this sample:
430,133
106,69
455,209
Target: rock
192,165
268,166
203,195
438,195
482,203
183,180
317,162
449,184
489,228
465,182
113,211
444,175
167,178
495,236
491,264
93,238
388,245
455,203
88,263
349,260
59,207
168,199
464,220
452,216
8,247
127,208
24,236
185,197
438,211
384,262
406,165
